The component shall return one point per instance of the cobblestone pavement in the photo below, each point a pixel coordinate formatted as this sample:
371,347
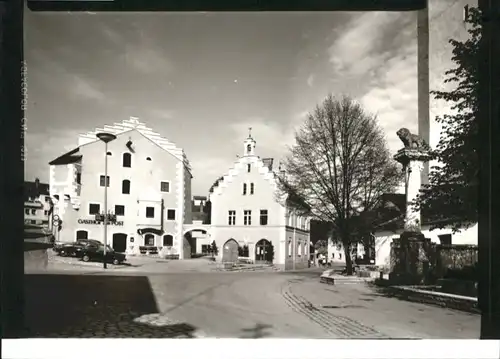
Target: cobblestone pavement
366,313
339,326
241,305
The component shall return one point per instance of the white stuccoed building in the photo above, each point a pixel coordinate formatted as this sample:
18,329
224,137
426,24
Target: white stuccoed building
246,212
149,190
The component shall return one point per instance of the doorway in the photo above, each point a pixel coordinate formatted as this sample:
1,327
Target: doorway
264,252
120,242
230,251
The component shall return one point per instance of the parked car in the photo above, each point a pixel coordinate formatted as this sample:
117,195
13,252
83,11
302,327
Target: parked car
75,248
96,254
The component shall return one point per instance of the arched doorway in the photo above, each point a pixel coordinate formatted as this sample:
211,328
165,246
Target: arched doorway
120,242
230,251
196,238
264,251
82,235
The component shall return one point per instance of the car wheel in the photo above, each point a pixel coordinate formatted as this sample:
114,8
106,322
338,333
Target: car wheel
62,253
116,261
86,258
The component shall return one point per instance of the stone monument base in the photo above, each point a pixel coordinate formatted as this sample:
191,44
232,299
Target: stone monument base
410,259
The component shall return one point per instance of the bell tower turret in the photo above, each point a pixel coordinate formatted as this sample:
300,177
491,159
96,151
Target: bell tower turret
249,144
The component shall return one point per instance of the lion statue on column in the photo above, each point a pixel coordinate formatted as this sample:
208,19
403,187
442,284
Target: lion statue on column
411,140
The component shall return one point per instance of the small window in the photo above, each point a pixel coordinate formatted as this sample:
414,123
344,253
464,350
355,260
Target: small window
168,240
244,188
171,214
263,217
149,239
33,221
249,148
79,178
150,212
56,196
81,235
33,211
148,158
27,211
251,188
119,210
165,186
109,153
102,181
247,217
127,160
231,218
249,168
46,213
94,208
126,187
47,199
445,239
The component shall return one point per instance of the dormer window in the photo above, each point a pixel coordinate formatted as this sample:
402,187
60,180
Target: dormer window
148,158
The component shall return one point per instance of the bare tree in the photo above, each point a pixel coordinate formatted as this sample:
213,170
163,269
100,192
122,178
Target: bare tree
340,166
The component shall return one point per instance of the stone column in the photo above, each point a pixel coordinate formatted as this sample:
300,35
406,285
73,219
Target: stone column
413,160
410,252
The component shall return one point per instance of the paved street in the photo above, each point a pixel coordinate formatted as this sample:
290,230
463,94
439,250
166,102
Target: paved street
245,305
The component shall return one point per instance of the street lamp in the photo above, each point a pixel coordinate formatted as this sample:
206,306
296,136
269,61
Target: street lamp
105,137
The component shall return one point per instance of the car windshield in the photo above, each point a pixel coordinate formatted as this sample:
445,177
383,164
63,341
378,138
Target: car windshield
108,248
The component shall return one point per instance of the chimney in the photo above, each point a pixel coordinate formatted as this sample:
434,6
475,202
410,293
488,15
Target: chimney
37,187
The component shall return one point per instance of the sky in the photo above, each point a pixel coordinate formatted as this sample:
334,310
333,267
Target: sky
202,79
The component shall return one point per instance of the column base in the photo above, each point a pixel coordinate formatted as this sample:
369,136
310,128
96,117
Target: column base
410,259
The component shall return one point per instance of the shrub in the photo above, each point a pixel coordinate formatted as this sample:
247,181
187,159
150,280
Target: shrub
214,248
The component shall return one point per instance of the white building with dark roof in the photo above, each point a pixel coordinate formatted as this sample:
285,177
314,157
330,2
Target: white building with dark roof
246,213
37,204
149,190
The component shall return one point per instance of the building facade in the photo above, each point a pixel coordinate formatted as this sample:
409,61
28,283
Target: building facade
37,204
247,219
148,186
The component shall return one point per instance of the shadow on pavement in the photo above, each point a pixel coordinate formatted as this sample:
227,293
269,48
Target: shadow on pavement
74,306
256,332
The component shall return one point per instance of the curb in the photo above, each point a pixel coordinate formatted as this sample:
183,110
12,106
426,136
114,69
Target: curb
443,300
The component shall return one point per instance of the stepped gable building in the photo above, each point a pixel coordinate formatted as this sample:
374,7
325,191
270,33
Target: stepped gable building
149,190
248,219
